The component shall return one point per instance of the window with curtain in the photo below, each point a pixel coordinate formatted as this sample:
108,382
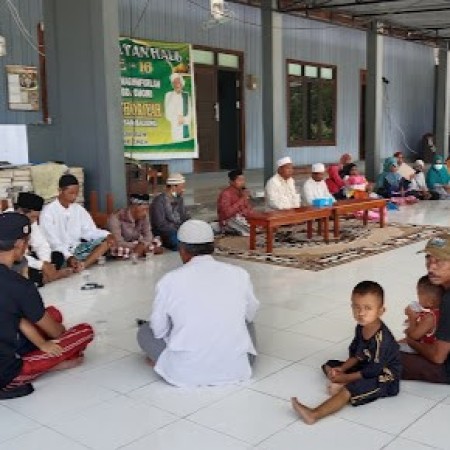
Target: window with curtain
311,91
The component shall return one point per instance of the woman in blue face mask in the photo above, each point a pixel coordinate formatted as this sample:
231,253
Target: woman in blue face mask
438,178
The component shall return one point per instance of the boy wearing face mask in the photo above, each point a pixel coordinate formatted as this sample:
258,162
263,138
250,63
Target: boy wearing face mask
438,178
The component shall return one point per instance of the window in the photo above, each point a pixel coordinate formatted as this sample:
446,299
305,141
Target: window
311,104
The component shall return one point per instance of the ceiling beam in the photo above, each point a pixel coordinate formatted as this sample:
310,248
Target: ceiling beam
414,11
298,6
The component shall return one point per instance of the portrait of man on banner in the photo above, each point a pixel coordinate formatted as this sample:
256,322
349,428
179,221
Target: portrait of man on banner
177,108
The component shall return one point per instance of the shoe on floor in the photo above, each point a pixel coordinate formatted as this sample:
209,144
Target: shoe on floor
20,391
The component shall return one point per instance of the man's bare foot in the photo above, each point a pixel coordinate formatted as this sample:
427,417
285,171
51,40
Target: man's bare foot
150,362
334,388
305,413
69,364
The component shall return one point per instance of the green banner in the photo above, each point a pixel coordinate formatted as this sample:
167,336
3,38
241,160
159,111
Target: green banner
158,103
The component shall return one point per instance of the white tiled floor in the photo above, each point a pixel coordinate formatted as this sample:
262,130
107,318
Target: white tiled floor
115,401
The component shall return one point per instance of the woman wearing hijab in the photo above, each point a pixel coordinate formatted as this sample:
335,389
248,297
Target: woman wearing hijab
344,160
390,183
438,178
335,183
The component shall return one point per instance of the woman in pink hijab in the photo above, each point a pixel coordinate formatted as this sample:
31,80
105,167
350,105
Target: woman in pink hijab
334,182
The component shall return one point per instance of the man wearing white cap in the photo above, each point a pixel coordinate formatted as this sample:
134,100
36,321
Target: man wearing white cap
280,189
177,108
199,332
168,211
315,186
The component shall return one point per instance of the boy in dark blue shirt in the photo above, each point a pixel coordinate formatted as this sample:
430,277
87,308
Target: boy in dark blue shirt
373,368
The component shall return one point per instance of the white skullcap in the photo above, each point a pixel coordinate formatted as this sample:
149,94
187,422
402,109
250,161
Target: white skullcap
284,161
318,168
195,232
174,76
419,162
175,179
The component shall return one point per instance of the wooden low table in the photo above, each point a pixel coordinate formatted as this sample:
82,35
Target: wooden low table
342,207
272,220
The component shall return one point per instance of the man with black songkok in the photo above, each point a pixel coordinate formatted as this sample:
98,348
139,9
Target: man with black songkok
69,228
233,205
44,265
131,229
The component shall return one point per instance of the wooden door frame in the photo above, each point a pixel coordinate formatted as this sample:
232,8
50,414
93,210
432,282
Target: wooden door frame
242,145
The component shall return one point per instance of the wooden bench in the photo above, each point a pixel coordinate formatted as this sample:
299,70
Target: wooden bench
272,220
343,207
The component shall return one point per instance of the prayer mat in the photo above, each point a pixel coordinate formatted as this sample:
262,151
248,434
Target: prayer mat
293,249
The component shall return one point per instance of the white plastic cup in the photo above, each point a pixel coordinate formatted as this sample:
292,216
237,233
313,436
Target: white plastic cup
134,258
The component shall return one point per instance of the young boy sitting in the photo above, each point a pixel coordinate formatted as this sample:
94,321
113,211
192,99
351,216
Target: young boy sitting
424,315
373,369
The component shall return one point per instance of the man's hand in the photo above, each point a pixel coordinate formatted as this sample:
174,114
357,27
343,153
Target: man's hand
76,265
48,271
111,241
180,120
51,348
140,249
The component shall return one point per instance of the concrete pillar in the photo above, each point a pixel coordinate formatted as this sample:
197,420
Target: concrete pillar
374,101
273,86
82,53
442,105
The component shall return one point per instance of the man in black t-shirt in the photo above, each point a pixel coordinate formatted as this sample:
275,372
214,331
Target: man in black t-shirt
432,363
23,315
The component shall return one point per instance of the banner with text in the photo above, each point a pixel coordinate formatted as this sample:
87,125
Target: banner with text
158,103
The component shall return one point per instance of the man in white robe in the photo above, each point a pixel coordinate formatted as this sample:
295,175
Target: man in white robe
200,331
177,108
315,187
70,230
280,189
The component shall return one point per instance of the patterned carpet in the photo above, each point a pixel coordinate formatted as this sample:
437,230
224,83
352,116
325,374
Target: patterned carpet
293,249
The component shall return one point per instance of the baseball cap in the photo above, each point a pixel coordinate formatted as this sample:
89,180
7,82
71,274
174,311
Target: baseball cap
14,226
438,246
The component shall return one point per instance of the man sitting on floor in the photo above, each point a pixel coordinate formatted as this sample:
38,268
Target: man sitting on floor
169,212
197,334
70,230
280,189
315,187
131,229
432,361
44,265
27,330
233,205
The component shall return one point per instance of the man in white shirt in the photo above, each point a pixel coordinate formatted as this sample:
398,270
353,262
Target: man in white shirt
44,265
70,230
406,171
177,109
315,187
200,328
280,189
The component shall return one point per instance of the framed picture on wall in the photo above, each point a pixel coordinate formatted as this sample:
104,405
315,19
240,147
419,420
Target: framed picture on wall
23,88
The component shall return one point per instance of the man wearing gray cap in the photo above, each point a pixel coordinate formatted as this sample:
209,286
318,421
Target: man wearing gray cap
168,211
432,361
199,333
